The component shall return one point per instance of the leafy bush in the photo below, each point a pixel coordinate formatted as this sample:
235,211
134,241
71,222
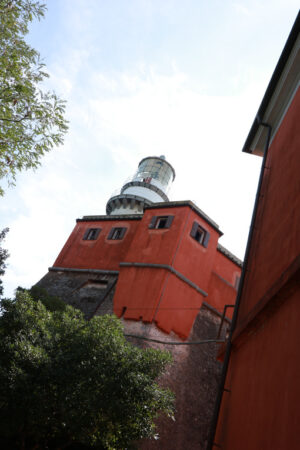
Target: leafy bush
69,383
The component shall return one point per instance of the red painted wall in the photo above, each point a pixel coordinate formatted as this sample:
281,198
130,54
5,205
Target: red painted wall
276,242
138,292
226,268
222,287
178,308
157,246
155,294
262,409
221,293
170,302
99,254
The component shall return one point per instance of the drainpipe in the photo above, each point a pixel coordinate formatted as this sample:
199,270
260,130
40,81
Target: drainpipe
211,444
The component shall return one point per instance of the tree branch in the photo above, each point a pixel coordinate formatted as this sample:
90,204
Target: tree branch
14,120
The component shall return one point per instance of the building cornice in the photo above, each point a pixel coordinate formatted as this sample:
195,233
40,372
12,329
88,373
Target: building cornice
113,217
282,88
93,271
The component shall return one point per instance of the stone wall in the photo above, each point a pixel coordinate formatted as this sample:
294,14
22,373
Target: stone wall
90,291
193,377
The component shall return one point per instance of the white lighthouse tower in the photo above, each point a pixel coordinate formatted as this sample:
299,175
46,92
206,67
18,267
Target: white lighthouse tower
149,185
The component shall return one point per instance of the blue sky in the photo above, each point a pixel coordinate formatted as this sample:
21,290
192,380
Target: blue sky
142,78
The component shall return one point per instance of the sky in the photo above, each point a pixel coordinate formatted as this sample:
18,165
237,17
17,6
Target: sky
146,78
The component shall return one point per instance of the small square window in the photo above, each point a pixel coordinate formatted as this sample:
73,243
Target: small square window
200,234
91,234
161,222
116,233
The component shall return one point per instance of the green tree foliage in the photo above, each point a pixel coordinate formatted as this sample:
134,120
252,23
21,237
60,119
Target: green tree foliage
70,383
3,257
31,121
51,302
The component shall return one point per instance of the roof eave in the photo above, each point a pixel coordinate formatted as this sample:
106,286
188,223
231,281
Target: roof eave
260,116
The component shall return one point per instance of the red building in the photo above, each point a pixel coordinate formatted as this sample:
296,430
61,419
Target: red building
157,265
165,259
258,401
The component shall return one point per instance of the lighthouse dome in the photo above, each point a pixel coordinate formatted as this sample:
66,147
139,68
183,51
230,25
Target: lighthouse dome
150,184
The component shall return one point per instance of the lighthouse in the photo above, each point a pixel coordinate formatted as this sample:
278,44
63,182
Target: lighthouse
150,184
158,266
148,259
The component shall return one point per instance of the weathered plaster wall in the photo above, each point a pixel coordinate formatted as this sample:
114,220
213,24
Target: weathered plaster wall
82,290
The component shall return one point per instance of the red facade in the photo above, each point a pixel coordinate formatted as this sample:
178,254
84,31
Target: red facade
165,274
260,406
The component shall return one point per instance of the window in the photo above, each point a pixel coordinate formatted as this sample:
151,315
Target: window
116,233
161,222
95,284
91,234
200,234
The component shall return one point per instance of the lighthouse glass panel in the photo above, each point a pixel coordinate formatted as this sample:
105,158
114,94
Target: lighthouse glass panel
155,169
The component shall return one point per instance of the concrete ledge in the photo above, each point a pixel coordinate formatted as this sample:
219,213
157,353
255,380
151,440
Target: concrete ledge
170,269
98,271
106,217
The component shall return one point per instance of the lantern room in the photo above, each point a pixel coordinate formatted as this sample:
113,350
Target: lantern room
150,184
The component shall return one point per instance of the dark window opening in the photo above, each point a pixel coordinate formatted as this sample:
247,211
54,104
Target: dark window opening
91,234
161,222
200,234
116,233
95,284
